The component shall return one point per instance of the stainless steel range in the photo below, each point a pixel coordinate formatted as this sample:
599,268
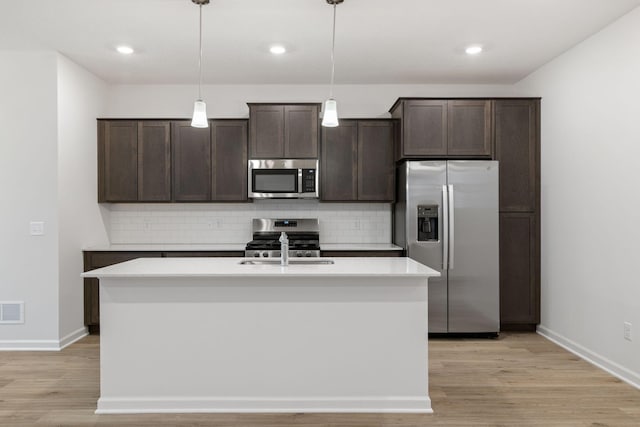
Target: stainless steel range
303,234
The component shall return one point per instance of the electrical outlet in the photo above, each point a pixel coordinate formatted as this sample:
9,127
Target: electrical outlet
627,331
36,228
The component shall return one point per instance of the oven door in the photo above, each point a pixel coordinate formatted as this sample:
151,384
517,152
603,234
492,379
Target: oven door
279,178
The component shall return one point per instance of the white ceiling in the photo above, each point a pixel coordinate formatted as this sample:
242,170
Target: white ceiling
377,41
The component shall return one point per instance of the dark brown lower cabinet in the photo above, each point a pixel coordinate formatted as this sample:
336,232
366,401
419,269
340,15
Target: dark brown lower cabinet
93,260
98,259
519,270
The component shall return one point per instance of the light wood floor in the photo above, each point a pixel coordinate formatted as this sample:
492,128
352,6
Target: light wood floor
516,380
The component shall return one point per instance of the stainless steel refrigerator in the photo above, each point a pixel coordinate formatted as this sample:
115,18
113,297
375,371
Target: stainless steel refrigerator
446,217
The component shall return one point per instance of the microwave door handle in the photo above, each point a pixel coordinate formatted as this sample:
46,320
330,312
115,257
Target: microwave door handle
299,189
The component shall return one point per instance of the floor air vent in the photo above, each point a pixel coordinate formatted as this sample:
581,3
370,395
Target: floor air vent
11,312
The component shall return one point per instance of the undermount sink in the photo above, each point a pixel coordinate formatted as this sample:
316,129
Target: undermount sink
295,261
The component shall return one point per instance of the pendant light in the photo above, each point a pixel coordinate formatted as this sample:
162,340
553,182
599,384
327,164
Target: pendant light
199,119
330,115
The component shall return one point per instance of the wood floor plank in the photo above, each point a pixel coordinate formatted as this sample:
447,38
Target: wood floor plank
515,380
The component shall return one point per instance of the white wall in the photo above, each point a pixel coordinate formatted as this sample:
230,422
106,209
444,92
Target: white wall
81,98
223,101
590,195
28,178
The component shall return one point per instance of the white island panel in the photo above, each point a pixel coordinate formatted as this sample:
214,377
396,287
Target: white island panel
274,341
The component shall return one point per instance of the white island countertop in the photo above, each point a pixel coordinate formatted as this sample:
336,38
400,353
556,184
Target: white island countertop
213,335
228,247
232,267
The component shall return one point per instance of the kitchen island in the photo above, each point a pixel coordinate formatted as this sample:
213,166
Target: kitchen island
217,335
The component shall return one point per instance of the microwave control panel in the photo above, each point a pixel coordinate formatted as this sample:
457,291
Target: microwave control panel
308,180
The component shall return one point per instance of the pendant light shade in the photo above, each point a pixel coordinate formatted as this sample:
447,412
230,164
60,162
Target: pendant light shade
199,119
330,110
330,116
200,115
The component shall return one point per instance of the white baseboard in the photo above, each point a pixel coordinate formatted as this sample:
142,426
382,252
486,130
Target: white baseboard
408,404
43,345
618,371
73,337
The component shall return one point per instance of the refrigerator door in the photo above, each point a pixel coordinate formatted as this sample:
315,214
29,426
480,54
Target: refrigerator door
425,182
473,248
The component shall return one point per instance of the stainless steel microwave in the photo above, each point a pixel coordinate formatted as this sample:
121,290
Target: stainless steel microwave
283,178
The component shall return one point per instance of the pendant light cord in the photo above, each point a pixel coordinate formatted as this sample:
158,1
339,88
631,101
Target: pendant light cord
200,59
333,48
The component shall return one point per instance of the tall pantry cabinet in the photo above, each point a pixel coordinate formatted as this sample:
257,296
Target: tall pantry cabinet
517,145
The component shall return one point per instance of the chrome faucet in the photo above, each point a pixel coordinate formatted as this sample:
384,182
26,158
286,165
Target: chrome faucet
284,249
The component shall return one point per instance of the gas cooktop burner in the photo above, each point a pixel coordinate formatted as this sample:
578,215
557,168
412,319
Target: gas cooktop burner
303,237
275,244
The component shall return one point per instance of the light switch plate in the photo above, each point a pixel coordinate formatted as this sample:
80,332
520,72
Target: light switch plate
36,228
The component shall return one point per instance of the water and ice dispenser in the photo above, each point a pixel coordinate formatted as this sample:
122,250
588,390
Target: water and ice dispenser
427,223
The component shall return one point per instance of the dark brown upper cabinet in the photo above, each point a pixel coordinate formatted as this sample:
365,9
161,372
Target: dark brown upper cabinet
191,155
440,128
282,131
357,161
469,128
339,164
517,140
229,152
163,161
133,161
376,168
154,161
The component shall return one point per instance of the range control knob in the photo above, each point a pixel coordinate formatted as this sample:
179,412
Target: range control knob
256,254
265,254
307,253
298,254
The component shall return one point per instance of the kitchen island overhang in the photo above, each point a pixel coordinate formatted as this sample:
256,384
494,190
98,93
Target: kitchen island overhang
212,335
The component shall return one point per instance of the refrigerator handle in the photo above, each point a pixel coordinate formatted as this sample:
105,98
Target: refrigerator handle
452,222
445,228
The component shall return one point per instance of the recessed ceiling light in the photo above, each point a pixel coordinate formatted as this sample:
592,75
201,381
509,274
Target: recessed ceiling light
473,49
125,50
277,49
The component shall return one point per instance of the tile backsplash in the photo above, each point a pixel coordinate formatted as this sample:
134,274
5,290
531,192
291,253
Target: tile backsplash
231,222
